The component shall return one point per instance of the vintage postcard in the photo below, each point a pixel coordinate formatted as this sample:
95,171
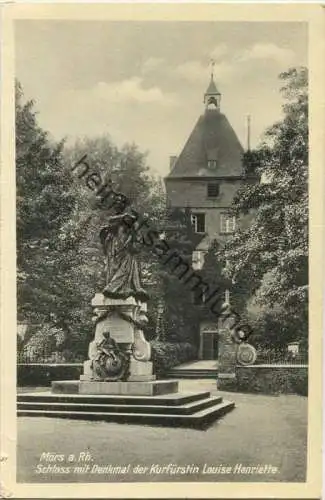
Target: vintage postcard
162,230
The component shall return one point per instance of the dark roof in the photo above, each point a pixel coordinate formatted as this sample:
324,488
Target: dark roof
212,89
212,138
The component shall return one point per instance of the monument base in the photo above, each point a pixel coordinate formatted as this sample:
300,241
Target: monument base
129,388
189,409
140,371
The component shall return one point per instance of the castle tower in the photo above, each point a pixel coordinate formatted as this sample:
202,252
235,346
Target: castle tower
208,172
205,178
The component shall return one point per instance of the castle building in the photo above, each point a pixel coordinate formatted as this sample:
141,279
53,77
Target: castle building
204,178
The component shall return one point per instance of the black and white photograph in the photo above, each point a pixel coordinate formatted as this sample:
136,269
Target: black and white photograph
162,220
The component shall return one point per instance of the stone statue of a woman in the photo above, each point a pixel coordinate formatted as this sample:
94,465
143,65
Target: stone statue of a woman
119,241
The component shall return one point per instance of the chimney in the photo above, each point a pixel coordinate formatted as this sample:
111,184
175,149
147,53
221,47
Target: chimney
172,161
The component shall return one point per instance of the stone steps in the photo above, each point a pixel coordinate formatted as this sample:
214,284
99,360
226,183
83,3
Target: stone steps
188,410
178,398
198,419
192,374
184,409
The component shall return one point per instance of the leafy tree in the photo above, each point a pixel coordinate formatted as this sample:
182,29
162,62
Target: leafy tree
271,255
60,265
44,203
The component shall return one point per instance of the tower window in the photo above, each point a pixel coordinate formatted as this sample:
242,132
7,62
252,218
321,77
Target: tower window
227,223
214,101
212,164
213,190
198,222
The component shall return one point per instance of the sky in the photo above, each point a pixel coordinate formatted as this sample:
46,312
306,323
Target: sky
144,82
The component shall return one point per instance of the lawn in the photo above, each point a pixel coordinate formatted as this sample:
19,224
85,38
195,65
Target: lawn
266,431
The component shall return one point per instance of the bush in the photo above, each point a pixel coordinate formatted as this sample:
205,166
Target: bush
166,355
42,344
41,375
273,379
299,383
270,355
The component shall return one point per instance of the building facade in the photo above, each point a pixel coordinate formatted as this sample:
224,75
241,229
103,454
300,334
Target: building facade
204,178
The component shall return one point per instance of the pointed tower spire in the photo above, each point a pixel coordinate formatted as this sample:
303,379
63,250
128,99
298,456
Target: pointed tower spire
212,95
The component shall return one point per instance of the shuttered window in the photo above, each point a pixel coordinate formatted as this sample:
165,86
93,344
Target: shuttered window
213,190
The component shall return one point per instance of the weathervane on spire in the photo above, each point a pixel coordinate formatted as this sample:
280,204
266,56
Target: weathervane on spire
212,63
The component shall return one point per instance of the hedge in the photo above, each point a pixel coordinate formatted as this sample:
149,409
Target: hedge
166,355
268,379
42,374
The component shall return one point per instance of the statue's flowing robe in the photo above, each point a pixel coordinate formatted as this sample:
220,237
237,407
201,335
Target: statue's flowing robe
122,268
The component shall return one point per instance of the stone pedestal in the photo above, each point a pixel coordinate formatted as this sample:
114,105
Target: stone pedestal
119,355
129,388
108,316
140,370
227,354
119,351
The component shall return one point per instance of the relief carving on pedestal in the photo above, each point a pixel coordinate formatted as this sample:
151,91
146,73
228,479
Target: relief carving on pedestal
108,361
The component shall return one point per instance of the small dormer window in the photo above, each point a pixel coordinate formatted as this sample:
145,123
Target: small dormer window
212,164
213,190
